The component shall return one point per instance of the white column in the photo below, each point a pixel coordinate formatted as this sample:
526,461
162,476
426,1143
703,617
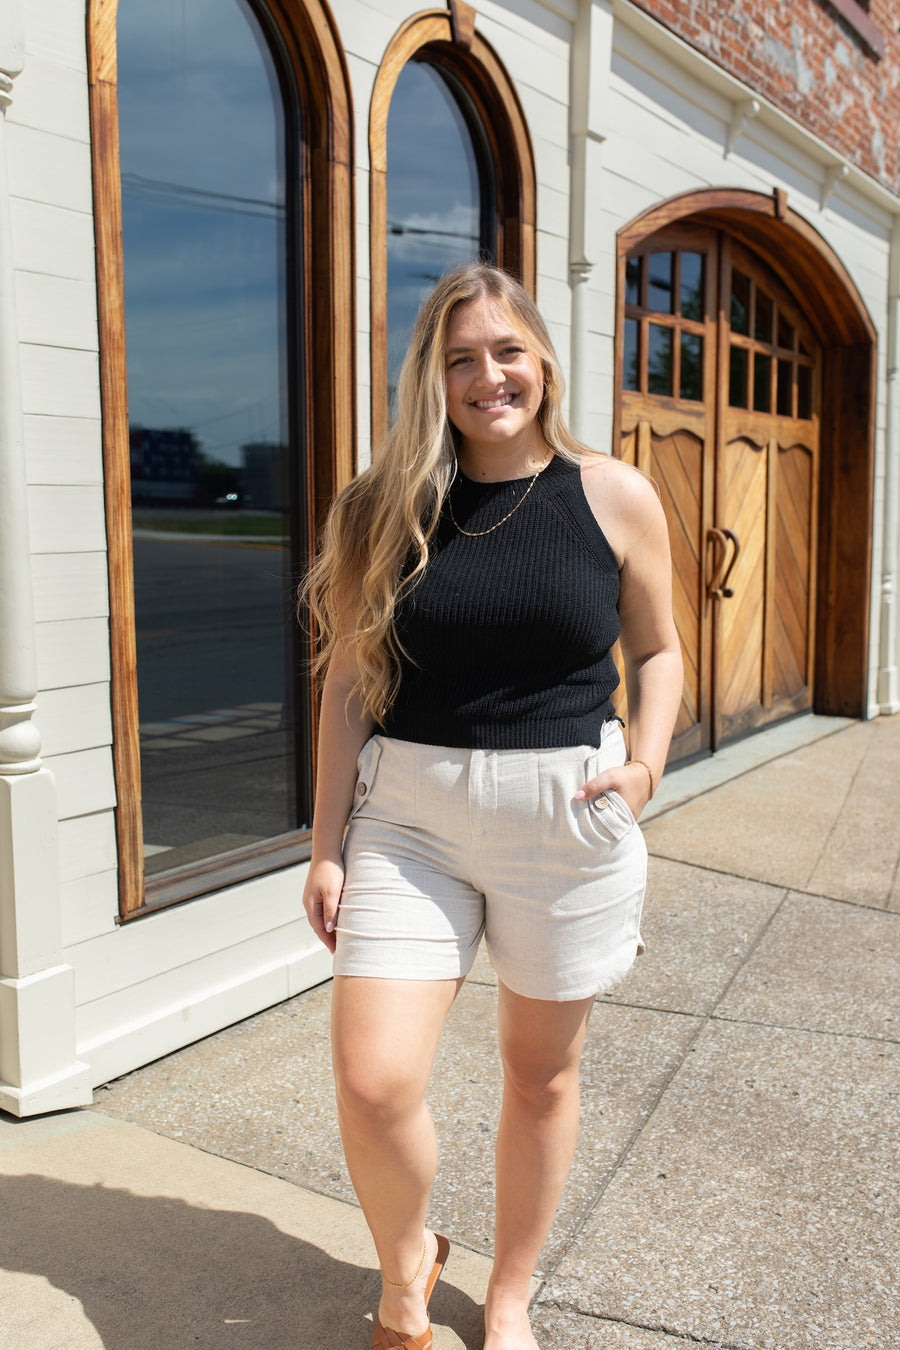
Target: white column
38,1068
888,693
591,55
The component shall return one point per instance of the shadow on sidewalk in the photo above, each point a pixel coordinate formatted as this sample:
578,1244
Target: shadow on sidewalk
156,1273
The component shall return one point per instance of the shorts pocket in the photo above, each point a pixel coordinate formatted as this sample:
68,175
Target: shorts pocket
366,771
611,816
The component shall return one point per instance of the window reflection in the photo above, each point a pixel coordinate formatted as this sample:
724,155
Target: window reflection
631,355
740,302
213,478
737,377
660,288
785,388
438,213
692,285
659,360
633,268
785,332
762,327
804,391
762,382
691,378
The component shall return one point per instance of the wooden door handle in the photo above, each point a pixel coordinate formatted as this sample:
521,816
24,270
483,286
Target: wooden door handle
725,543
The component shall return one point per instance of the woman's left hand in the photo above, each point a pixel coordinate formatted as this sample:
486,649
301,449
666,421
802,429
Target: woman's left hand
631,781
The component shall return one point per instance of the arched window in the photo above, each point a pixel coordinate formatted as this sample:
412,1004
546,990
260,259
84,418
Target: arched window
441,194
218,461
452,177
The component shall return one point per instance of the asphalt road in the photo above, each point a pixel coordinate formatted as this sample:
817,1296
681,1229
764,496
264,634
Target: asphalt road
214,631
214,626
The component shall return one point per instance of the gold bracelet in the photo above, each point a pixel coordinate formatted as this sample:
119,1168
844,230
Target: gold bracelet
644,765
407,1283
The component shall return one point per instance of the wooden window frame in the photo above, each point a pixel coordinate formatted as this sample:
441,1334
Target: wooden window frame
808,266
326,366
674,321
448,40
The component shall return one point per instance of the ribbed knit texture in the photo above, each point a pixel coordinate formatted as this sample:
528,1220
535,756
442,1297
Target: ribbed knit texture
509,634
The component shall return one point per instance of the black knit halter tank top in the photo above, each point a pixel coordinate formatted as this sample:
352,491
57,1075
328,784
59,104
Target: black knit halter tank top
508,634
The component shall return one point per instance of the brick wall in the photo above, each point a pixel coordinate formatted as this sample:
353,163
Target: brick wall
804,57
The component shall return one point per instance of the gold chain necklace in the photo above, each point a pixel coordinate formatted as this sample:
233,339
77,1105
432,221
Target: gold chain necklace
478,534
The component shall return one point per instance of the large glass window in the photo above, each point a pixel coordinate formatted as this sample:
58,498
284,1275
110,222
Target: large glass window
440,194
208,233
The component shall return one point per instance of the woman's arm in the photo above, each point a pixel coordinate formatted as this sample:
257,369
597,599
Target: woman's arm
629,512
343,730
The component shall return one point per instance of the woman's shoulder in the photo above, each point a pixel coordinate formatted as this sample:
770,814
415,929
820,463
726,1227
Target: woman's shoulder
624,501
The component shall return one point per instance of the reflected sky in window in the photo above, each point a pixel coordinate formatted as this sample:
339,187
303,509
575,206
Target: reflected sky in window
433,197
203,205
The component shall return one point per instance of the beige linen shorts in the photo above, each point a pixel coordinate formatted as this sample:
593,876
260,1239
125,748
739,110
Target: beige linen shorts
444,845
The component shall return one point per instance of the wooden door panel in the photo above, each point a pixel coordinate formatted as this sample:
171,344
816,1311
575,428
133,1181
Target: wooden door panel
792,630
673,457
740,617
766,491
676,464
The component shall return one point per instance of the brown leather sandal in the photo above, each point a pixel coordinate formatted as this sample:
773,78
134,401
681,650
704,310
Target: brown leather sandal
385,1338
440,1260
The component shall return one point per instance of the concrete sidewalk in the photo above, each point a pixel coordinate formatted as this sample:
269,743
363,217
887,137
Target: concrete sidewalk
735,1183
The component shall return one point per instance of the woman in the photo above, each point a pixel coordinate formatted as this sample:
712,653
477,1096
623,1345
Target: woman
470,586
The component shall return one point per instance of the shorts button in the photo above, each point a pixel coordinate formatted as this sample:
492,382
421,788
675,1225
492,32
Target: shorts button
361,789
601,803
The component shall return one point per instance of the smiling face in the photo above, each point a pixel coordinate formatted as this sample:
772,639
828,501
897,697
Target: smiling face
495,386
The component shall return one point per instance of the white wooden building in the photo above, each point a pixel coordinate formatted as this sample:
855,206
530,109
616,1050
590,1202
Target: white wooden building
722,286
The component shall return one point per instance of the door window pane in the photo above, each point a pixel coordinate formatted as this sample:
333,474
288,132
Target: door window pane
213,469
785,388
660,289
740,304
633,269
762,382
692,285
804,391
762,326
691,378
659,359
438,215
737,377
632,354
785,333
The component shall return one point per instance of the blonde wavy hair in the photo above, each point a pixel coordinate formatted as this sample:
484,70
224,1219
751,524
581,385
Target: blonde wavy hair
375,542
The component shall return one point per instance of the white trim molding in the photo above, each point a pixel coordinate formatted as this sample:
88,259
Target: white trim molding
38,1067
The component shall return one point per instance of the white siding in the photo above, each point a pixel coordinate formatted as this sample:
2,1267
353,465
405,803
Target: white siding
53,241
63,450
71,719
72,651
50,169
69,586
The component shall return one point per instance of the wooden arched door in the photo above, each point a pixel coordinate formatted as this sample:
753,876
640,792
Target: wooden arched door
720,402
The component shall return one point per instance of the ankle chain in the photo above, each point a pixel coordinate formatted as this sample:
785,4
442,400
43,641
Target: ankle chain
407,1283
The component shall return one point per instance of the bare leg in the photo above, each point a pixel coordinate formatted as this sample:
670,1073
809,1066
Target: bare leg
385,1035
540,1043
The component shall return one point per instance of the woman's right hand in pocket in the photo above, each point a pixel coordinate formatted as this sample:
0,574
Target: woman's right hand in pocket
322,897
